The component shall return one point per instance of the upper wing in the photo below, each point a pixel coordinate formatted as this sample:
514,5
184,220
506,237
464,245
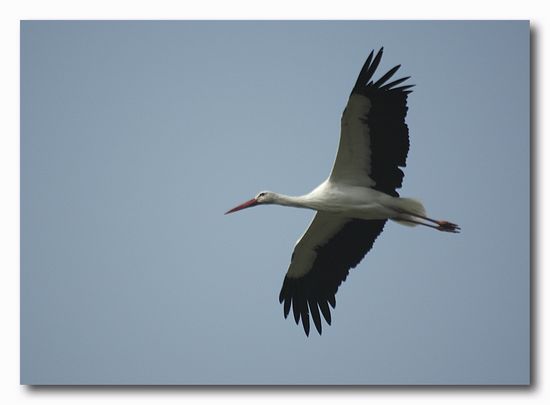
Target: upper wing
374,139
320,263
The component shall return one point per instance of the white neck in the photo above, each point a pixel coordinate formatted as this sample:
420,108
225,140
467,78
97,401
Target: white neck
292,201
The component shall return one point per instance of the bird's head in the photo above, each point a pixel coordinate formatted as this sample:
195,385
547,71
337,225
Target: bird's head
264,197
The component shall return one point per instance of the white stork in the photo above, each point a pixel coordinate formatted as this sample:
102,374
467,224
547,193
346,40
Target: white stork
356,200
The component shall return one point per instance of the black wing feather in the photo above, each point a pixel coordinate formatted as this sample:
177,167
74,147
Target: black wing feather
389,134
388,75
314,309
325,310
331,267
286,307
363,73
394,83
372,68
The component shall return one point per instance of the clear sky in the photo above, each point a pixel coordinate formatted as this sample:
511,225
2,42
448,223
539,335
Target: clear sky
137,137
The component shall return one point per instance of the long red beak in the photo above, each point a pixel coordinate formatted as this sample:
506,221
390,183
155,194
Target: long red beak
248,204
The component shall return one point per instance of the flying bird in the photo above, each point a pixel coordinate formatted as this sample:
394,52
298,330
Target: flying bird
356,200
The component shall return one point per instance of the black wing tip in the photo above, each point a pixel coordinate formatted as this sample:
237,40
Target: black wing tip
305,323
296,316
380,52
302,314
286,308
380,82
303,308
303,317
407,89
315,315
365,84
325,310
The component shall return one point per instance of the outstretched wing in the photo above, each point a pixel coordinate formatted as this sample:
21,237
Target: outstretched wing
374,143
321,261
374,139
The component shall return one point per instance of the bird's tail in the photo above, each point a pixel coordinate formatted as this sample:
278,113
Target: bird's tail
409,208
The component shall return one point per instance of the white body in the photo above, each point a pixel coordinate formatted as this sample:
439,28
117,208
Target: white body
350,201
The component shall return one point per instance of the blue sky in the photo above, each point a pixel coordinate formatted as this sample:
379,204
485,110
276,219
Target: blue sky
137,137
